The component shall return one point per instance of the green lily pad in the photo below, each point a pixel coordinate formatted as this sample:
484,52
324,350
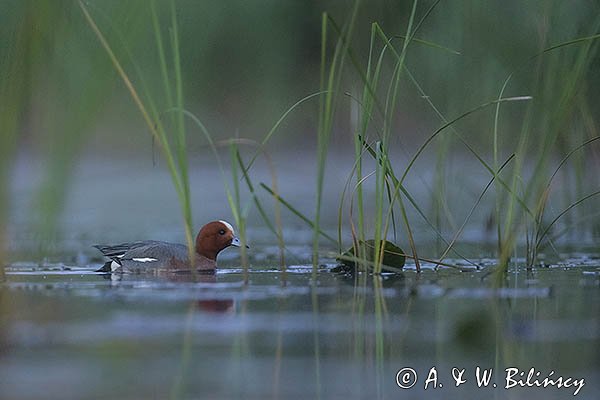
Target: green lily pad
393,258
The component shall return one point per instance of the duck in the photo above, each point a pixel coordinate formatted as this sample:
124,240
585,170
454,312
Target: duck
155,256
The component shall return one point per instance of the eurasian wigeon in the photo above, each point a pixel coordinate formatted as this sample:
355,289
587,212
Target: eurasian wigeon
153,255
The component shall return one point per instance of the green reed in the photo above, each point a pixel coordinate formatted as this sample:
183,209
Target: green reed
388,185
330,79
561,97
172,144
277,228
63,110
239,210
385,79
12,90
390,193
386,180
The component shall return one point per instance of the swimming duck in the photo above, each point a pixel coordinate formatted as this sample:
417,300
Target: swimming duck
153,255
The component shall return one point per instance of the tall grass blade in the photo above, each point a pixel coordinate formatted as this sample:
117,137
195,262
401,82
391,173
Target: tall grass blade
472,210
326,112
453,121
235,203
277,231
569,208
12,90
177,169
278,123
297,213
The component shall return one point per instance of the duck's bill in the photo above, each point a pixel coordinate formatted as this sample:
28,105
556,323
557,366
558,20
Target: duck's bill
236,242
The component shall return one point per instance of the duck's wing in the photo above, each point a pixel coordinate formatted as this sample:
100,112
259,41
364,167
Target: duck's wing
117,251
156,251
139,256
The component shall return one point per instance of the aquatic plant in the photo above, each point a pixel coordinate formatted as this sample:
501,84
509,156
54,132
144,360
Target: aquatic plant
12,90
372,72
173,145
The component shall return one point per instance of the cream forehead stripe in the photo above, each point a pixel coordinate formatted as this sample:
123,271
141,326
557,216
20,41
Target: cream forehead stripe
228,225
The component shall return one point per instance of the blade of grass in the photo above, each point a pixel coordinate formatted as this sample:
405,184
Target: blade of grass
546,193
431,44
12,97
326,111
389,111
296,212
470,148
569,208
236,203
400,188
278,123
178,175
543,148
453,121
278,231
468,217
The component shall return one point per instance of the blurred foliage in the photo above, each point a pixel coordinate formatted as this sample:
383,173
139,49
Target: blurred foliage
244,62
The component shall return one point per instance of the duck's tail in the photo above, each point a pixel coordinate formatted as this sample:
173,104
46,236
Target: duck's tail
106,267
114,253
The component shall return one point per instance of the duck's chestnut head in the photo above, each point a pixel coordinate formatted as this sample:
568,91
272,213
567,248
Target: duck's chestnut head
214,237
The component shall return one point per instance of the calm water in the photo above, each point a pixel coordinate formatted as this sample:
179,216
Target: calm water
71,333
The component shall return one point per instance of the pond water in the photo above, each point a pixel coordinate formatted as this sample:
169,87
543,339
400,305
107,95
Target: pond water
67,332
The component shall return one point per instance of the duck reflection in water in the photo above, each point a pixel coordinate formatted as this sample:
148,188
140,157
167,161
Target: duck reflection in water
205,301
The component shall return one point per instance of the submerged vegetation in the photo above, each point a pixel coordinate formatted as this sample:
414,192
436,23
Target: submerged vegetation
536,125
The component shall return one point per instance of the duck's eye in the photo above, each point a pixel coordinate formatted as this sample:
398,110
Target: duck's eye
222,232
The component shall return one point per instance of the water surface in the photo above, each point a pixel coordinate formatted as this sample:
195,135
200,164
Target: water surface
68,332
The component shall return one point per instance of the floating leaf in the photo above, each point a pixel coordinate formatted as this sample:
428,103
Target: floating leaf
393,258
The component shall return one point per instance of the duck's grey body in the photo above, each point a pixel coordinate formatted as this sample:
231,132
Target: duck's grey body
150,255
